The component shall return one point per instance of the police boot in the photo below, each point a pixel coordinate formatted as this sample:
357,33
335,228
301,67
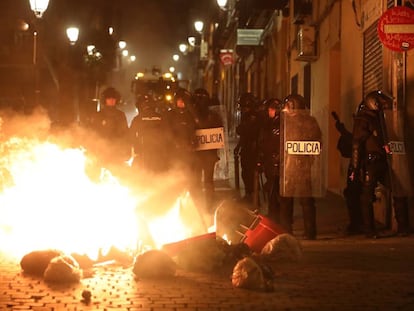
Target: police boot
402,216
367,211
309,218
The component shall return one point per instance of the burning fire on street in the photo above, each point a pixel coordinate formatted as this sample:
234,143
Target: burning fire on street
49,201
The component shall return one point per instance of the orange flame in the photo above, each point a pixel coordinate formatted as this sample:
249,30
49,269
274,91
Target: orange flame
48,201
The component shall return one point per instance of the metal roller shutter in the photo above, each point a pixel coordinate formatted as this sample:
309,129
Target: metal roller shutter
372,63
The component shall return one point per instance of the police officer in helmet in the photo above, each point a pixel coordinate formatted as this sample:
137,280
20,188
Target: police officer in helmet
269,155
298,125
369,160
248,131
181,124
205,160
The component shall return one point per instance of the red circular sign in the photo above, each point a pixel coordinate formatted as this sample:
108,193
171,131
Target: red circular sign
396,28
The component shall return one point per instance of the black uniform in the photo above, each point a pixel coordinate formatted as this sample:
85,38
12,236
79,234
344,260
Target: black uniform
248,131
147,132
181,134
269,158
368,161
352,190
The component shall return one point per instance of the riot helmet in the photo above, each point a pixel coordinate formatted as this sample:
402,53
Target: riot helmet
182,95
294,102
377,100
273,103
247,101
111,92
201,100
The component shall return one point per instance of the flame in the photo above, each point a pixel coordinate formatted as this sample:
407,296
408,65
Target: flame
49,202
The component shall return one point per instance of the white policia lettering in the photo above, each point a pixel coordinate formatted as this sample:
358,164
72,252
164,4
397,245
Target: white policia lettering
303,147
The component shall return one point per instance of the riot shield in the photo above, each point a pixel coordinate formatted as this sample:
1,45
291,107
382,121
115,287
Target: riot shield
401,184
301,155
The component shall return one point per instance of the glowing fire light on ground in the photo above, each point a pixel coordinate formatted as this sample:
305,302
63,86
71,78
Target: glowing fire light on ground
49,202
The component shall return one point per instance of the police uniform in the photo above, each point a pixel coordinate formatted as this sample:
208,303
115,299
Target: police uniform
269,158
147,132
111,124
248,131
368,162
299,126
181,134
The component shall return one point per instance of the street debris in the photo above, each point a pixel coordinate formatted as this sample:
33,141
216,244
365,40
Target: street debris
250,273
63,269
154,264
283,247
36,262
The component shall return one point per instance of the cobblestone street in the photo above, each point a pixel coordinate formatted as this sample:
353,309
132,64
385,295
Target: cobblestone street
334,274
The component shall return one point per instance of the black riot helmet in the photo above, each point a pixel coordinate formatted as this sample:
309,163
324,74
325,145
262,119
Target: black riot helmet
377,100
294,102
201,101
184,95
201,97
111,92
273,103
247,101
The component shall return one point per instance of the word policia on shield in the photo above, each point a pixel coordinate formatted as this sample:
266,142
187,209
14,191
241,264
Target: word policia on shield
303,147
212,138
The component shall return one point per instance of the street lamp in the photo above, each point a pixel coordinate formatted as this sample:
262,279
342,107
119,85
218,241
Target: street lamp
176,57
122,45
183,48
199,25
192,41
39,7
73,34
222,4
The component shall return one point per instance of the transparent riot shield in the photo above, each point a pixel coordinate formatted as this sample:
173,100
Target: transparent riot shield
301,148
401,183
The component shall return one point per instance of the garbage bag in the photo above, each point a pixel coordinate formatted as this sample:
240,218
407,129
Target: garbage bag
63,269
154,264
251,274
36,262
284,247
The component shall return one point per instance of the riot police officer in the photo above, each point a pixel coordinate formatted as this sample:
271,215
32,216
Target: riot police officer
147,133
248,131
369,161
111,124
205,160
299,128
269,155
181,125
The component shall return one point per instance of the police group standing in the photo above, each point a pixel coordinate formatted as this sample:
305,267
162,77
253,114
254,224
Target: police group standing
369,162
205,160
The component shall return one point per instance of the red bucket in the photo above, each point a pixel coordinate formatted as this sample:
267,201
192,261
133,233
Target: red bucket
174,248
262,231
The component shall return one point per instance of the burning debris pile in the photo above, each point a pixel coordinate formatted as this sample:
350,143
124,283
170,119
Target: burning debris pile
48,202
